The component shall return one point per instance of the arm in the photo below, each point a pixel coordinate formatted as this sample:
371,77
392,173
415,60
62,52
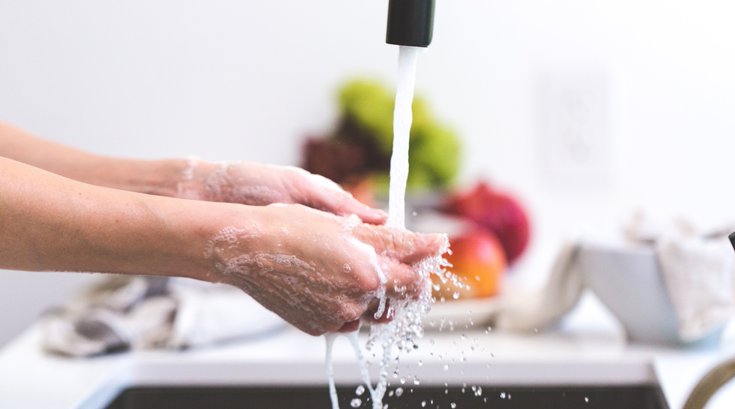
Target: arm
240,182
317,270
48,222
144,176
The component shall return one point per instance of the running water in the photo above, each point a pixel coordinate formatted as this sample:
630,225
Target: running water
402,333
402,119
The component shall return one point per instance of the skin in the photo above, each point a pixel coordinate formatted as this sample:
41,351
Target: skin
62,209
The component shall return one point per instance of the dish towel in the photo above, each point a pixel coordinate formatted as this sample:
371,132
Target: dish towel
547,306
132,312
697,265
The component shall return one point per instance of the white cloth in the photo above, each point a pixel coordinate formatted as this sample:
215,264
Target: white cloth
698,267
547,306
123,313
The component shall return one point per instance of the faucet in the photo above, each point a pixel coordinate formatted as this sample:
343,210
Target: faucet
710,384
410,22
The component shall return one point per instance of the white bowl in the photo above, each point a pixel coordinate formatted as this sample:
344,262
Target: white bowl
629,282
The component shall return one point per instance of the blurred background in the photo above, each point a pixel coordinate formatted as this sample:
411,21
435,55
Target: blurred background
584,109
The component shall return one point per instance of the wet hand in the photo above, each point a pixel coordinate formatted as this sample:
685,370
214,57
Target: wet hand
318,271
259,184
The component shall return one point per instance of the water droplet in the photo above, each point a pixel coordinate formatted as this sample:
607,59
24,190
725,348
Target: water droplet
355,403
453,405
502,395
359,390
399,392
586,399
455,295
421,363
416,381
423,403
445,367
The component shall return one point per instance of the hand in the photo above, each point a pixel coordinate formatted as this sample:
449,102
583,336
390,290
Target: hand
318,271
258,184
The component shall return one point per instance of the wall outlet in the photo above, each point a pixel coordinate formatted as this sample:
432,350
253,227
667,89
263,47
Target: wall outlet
572,121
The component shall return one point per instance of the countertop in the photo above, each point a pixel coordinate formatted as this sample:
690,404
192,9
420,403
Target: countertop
588,348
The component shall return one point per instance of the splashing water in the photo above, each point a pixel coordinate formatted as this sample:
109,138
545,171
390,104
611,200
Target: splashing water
403,332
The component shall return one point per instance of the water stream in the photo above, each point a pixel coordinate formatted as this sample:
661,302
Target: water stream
406,326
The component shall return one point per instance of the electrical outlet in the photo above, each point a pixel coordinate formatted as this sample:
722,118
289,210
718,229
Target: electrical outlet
573,127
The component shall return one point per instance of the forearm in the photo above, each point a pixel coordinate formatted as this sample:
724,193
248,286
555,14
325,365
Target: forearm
51,223
145,176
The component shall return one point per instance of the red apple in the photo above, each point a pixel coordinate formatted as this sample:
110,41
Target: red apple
496,211
478,262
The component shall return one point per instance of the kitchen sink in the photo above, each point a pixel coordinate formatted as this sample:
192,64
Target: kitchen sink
314,397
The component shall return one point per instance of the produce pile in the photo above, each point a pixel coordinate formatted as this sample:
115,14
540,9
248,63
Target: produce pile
360,146
499,235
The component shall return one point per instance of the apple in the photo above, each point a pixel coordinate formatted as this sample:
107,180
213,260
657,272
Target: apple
495,211
478,263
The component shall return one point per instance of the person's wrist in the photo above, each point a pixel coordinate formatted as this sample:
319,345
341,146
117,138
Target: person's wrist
195,234
159,177
239,232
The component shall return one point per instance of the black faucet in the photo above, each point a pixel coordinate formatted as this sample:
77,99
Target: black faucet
410,22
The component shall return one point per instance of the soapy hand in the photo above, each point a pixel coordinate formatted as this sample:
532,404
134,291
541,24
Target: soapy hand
259,184
319,271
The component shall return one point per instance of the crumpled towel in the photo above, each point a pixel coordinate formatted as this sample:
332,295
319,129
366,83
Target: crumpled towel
697,265
131,312
549,305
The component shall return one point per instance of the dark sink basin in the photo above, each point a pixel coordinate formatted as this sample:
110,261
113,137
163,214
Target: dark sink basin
432,397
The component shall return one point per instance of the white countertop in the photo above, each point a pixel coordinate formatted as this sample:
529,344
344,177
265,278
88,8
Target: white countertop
588,349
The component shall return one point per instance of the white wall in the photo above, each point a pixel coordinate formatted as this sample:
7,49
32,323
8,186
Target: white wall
226,79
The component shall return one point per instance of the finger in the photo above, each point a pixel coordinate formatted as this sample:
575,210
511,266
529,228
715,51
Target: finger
351,326
343,203
402,280
367,214
386,317
401,245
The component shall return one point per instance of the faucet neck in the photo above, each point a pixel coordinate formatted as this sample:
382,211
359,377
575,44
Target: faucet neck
410,22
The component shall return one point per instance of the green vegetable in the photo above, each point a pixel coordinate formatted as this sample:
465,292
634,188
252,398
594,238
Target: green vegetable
435,149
